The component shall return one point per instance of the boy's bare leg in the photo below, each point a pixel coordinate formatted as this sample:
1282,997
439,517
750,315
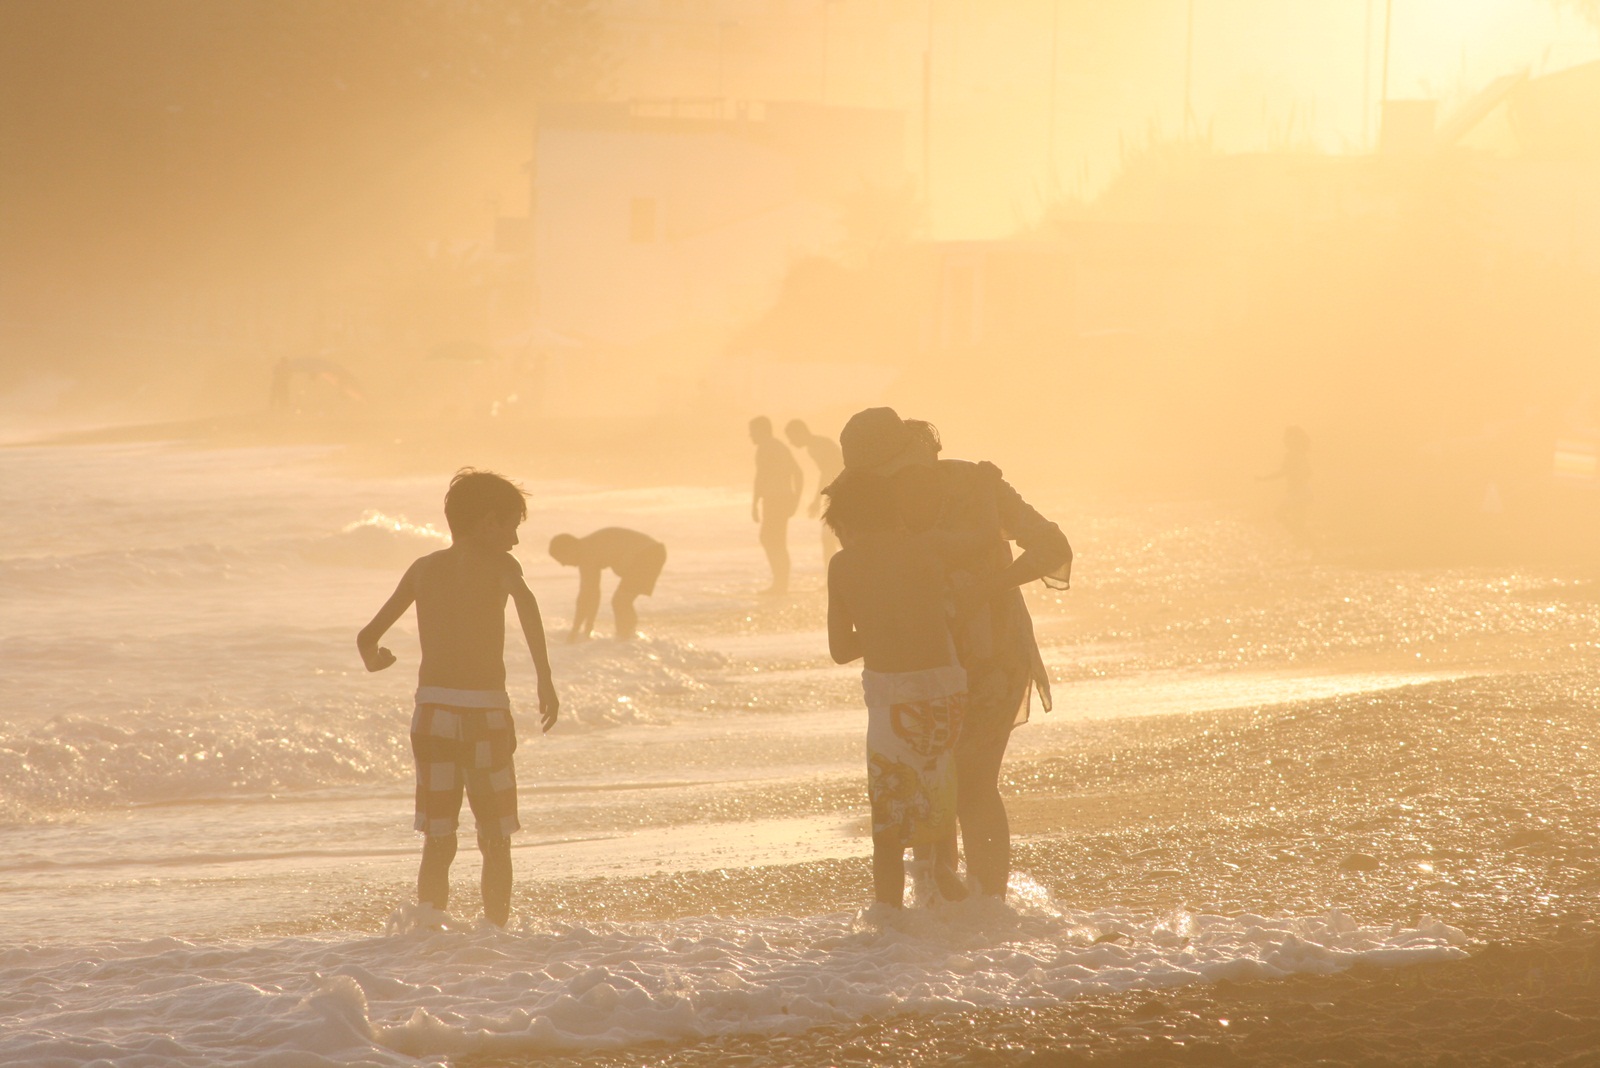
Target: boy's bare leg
951,888
433,877
775,540
623,612
889,869
496,879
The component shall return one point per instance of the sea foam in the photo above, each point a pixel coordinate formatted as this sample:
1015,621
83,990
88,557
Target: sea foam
429,995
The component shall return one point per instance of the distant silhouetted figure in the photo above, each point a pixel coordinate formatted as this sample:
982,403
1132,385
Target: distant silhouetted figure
1296,474
887,605
311,369
462,735
825,454
637,560
775,498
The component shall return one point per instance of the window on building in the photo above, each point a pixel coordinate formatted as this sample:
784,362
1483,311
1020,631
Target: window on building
642,221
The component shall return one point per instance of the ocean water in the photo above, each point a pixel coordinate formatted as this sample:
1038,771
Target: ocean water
205,801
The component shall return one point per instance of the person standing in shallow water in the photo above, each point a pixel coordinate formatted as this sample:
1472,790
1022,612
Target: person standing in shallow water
1296,474
774,499
462,735
993,632
824,453
887,608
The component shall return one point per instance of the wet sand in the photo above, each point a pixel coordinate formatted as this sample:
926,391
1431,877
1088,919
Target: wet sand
1473,801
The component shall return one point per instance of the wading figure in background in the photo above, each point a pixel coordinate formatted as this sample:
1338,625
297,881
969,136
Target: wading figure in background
824,452
462,736
774,499
993,632
637,560
1296,474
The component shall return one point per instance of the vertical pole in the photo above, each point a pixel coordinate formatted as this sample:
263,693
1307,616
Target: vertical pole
532,251
1366,82
1188,71
1050,141
822,95
1388,17
927,117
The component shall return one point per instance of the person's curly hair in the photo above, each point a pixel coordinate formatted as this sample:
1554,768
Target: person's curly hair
475,495
926,433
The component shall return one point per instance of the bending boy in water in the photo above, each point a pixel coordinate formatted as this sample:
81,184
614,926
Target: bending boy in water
462,736
887,606
636,558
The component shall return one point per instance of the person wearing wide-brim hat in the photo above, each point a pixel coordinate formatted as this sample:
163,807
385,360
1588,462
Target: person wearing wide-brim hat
993,630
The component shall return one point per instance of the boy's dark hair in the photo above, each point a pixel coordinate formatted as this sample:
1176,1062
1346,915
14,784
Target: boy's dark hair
860,501
564,549
925,432
476,495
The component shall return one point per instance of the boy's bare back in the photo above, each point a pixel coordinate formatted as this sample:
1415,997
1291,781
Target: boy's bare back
461,594
461,616
886,603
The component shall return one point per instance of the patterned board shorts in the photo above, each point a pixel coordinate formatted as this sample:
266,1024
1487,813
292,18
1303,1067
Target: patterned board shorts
465,750
913,721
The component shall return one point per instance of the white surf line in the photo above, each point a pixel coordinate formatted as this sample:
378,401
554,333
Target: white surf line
1171,693
712,846
432,995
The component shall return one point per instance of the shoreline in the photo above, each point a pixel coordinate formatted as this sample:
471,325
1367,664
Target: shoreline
1478,838
1532,1002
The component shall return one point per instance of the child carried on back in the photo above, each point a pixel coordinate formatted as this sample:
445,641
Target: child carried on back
887,605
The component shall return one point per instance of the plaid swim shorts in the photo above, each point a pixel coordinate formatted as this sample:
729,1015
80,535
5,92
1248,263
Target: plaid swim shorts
464,750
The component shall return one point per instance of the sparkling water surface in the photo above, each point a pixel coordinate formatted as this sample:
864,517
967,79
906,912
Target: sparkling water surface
204,799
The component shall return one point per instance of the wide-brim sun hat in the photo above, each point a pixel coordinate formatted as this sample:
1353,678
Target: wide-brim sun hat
876,439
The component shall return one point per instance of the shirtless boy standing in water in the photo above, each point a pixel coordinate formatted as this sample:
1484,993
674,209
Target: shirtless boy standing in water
462,736
887,605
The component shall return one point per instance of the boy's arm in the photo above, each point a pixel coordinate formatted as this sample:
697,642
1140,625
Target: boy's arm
375,656
588,602
844,641
533,631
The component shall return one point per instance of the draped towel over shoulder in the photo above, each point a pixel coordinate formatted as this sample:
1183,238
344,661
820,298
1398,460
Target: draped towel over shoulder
980,503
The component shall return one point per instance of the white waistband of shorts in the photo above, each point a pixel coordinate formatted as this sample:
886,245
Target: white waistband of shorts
444,695
901,687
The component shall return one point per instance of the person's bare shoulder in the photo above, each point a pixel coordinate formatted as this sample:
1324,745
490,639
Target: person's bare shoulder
422,566
843,565
510,572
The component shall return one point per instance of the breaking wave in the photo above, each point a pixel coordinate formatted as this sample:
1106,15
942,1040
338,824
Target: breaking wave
451,993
